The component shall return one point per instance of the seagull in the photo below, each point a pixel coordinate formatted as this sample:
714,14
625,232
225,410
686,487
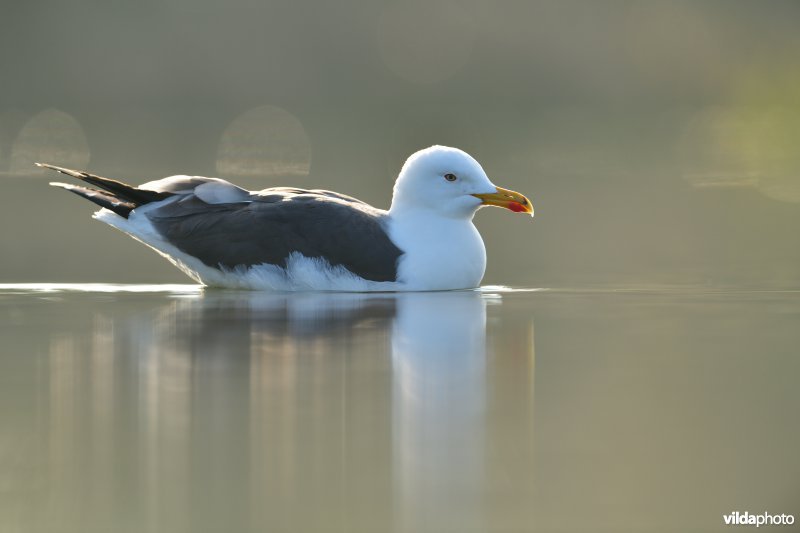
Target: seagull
289,239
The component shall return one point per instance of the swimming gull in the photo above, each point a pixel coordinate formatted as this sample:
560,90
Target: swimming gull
285,238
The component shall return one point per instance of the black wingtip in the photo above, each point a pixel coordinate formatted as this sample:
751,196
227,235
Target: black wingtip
68,171
101,198
122,191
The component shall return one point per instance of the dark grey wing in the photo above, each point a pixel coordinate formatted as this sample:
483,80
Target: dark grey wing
268,230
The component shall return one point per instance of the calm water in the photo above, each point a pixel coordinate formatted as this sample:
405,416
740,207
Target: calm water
165,408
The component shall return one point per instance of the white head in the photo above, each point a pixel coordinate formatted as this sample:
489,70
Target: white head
449,182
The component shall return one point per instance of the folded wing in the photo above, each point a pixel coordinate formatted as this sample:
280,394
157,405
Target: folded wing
270,226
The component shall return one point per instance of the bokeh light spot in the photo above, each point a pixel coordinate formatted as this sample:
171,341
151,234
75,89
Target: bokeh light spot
264,141
752,141
51,136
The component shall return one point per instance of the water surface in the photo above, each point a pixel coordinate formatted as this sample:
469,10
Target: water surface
167,408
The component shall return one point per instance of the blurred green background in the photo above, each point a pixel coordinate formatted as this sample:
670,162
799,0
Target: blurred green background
658,140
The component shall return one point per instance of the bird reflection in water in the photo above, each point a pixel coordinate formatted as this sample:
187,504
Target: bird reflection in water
438,410
245,410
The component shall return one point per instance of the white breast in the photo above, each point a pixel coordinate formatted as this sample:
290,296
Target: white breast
440,253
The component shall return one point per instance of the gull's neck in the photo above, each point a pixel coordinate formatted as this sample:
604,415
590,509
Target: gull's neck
440,251
405,211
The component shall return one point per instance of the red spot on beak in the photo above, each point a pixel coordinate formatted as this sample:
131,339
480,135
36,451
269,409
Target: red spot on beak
516,207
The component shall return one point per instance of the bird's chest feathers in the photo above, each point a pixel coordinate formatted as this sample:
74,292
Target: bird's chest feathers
440,253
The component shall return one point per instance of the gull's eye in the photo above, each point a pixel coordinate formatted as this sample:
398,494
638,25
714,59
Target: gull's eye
450,177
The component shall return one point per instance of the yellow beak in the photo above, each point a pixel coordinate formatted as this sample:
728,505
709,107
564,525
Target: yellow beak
509,199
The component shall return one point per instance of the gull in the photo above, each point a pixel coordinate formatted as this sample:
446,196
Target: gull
290,239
